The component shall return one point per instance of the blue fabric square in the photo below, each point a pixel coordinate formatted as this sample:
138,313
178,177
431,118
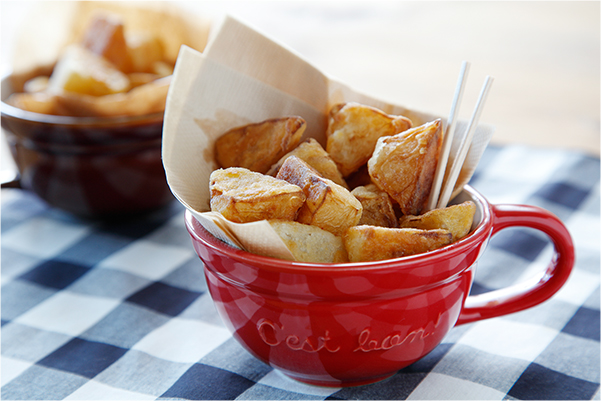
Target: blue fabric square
125,325
563,194
93,248
585,323
40,383
20,296
55,274
478,289
520,242
22,207
202,382
397,387
427,363
540,383
85,358
164,298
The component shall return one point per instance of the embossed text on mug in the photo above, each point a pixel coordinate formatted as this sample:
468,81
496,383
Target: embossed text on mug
271,333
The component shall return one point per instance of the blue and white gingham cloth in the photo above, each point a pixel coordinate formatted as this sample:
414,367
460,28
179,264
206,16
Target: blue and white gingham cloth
121,310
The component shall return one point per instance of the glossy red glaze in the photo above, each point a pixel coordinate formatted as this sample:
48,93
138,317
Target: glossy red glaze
357,323
90,167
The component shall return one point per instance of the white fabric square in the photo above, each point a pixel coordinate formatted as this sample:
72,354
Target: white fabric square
148,259
579,287
14,264
68,313
442,387
585,231
279,380
94,390
525,164
12,368
43,237
509,338
181,340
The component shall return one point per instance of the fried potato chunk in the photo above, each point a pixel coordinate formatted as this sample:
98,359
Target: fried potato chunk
377,206
105,37
353,130
310,243
312,153
365,243
328,205
145,50
37,102
143,99
457,219
404,165
258,146
81,71
242,196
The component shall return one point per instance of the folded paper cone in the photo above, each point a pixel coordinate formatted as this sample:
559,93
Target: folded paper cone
243,77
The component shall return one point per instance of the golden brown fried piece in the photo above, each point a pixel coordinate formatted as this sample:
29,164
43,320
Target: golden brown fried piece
146,53
404,165
377,206
258,146
310,243
353,130
457,219
328,205
312,153
105,37
37,102
365,243
242,196
81,71
143,99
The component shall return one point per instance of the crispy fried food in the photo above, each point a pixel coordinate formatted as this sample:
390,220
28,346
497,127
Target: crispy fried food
457,219
36,84
105,37
404,164
37,102
353,130
141,100
364,243
145,52
310,243
359,178
312,153
242,196
328,205
377,206
258,146
83,72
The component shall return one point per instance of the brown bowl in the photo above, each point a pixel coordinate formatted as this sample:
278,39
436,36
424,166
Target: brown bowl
91,167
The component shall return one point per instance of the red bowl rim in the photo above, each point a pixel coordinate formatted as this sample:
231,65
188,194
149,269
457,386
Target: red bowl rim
480,233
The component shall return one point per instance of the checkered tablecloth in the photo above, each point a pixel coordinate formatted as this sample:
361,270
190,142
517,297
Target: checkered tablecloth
121,311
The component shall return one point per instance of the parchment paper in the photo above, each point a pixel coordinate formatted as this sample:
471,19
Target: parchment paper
244,77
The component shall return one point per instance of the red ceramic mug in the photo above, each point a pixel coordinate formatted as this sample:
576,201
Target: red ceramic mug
90,167
357,323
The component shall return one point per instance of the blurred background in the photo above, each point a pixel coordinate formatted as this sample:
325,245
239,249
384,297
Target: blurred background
544,56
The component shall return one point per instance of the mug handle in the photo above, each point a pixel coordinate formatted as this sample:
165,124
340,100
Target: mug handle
529,292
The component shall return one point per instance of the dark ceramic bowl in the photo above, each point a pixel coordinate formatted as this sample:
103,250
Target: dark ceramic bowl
90,167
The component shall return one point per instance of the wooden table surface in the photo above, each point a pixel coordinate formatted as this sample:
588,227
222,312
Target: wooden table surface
544,56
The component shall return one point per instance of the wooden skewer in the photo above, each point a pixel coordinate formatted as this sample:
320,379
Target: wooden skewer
465,146
448,138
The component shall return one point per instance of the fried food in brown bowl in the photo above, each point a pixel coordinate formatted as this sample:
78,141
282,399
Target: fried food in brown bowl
85,131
